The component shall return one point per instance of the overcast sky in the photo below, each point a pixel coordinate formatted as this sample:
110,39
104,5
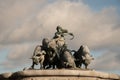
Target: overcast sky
95,23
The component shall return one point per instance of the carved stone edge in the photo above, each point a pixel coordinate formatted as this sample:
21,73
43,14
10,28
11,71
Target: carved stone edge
60,73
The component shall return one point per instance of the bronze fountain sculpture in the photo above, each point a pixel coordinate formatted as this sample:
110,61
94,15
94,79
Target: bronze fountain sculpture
55,54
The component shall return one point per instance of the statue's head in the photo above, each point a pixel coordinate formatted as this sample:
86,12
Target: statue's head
59,28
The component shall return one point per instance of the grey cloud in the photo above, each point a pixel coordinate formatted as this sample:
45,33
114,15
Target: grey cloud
107,61
19,55
17,16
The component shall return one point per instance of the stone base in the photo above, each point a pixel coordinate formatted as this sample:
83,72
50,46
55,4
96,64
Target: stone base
59,74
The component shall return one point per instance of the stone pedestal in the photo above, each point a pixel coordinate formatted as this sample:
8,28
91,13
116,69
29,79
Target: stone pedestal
62,74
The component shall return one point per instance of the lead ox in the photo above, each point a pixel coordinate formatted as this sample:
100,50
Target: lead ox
83,56
38,57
